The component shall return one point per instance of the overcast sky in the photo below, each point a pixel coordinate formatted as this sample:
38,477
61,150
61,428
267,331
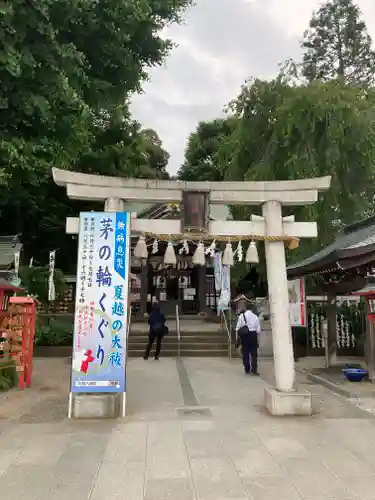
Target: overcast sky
220,45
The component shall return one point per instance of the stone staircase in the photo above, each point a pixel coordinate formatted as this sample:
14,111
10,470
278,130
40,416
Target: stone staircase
198,338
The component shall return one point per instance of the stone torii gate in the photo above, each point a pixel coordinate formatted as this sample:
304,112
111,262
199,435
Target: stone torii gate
119,193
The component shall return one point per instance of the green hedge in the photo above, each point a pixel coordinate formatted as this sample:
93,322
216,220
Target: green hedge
54,330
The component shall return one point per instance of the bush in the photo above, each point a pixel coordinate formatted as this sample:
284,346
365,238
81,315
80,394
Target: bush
35,281
8,375
52,331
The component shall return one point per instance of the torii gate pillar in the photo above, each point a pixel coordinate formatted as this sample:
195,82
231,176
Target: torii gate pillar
283,400
278,298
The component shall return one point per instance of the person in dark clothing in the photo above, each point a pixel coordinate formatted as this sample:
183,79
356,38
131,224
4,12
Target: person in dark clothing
157,330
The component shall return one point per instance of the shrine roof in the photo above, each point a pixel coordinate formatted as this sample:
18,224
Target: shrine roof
5,285
353,246
9,245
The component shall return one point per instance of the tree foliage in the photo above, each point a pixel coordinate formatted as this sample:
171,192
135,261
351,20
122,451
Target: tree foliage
337,45
35,281
155,156
201,160
66,70
293,132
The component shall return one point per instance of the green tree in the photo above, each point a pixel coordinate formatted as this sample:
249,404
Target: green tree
337,45
201,161
155,156
35,282
123,149
66,68
293,132
61,64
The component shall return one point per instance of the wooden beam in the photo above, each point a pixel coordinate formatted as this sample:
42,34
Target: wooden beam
217,228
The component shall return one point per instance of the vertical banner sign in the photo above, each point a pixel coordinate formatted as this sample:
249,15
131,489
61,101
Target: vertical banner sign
217,274
224,300
101,315
297,302
217,271
16,263
51,273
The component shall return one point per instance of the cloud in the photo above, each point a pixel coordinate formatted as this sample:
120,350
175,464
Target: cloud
219,46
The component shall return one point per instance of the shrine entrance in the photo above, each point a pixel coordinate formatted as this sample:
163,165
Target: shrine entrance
196,226
185,285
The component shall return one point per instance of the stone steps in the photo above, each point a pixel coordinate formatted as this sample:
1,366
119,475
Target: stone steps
197,340
186,353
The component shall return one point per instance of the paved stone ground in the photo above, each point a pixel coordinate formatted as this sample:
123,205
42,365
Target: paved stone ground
195,430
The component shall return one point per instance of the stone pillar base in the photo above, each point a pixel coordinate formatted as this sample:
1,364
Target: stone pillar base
288,403
96,405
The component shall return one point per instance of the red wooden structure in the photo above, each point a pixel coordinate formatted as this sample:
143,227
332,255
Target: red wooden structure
17,328
368,292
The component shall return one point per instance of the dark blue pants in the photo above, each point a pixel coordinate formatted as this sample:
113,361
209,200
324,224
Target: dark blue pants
249,344
151,339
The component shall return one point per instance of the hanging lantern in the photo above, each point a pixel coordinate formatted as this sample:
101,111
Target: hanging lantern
140,250
199,258
252,256
170,258
228,259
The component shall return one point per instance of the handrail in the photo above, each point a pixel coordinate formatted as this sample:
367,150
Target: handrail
178,331
229,335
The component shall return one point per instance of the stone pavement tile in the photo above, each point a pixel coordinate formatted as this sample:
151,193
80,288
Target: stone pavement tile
167,466
165,439
357,443
166,435
284,446
127,443
203,444
319,486
270,488
23,482
119,481
74,473
198,425
340,461
240,440
7,458
46,452
361,486
216,479
64,490
168,489
82,454
297,466
166,453
255,461
154,388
